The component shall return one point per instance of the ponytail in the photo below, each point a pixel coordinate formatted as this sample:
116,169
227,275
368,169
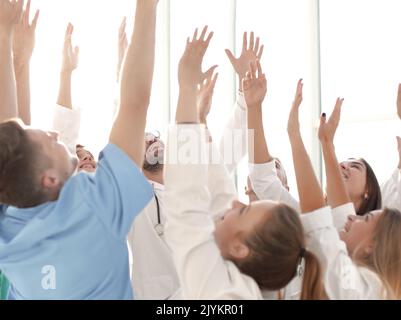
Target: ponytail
312,285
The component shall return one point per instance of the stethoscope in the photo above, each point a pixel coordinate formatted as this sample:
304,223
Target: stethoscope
158,227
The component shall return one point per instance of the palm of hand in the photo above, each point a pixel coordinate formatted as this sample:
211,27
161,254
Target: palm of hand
241,64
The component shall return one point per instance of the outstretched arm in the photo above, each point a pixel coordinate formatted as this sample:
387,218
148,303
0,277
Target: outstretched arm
238,120
69,64
255,88
337,194
10,15
122,46
136,84
391,189
24,43
309,190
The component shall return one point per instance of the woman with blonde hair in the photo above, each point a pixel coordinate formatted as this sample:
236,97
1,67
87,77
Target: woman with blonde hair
364,260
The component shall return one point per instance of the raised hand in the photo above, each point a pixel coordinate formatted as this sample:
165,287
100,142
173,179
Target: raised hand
249,53
10,14
327,129
70,54
190,75
24,38
122,46
254,85
69,64
205,95
190,67
293,119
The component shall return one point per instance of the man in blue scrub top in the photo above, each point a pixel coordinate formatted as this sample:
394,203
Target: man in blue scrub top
62,234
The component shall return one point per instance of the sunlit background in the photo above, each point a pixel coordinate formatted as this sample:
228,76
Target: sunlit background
347,48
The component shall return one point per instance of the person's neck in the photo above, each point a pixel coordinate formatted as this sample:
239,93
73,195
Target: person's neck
357,203
155,176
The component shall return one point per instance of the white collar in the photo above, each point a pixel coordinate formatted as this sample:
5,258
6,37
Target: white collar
156,186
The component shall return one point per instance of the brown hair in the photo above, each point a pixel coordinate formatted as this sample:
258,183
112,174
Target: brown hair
374,198
385,259
276,250
19,170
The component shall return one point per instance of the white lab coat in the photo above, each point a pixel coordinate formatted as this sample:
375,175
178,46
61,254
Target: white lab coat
202,271
267,185
343,279
236,123
153,273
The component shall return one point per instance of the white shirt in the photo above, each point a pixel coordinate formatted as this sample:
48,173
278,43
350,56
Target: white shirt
391,191
343,279
233,143
202,271
153,272
267,185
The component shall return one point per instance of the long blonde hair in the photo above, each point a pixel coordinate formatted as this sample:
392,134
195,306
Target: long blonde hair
385,258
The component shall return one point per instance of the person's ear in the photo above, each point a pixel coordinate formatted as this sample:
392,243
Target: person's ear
238,249
50,179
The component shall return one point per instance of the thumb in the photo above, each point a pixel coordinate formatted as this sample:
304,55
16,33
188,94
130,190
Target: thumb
208,74
230,56
398,142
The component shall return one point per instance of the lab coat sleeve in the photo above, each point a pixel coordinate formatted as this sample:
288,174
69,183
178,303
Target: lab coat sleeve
202,271
268,186
233,144
343,280
67,122
391,191
221,185
340,215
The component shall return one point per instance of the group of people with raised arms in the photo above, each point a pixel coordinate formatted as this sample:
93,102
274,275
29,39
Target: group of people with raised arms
149,220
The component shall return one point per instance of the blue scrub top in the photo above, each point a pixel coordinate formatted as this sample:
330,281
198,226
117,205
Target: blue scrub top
75,247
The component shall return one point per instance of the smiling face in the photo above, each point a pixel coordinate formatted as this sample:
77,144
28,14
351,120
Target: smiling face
358,234
237,223
86,160
354,175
